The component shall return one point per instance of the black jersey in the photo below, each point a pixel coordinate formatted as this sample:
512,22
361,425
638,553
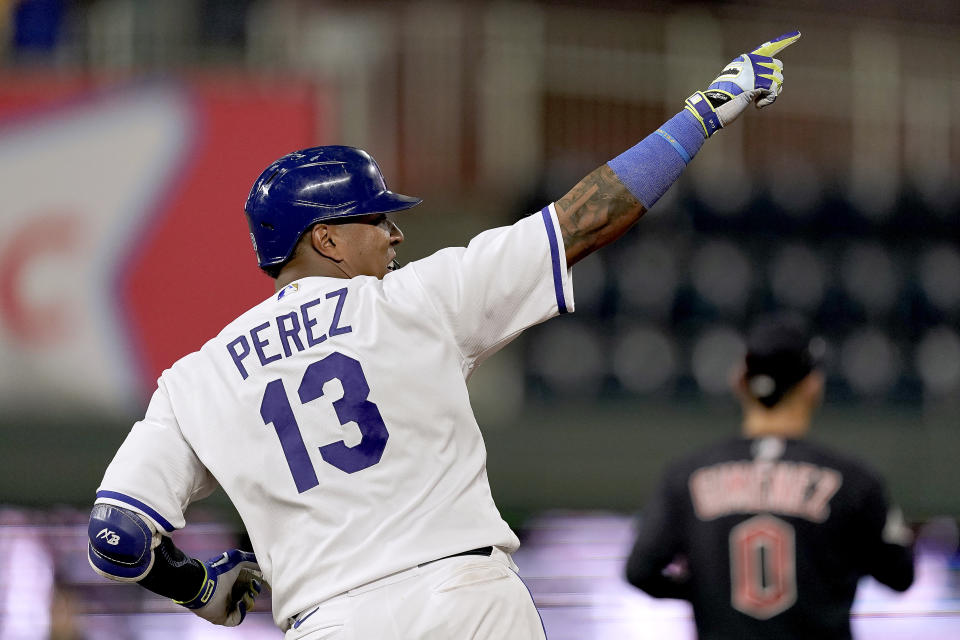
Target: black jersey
771,537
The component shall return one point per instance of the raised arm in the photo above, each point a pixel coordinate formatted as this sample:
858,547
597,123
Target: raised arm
596,212
602,206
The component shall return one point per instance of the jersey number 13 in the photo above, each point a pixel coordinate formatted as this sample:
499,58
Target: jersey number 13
275,409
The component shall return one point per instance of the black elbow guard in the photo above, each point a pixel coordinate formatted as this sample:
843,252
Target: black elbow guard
121,543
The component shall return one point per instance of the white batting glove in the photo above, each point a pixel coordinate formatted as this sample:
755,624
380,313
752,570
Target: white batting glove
751,77
231,585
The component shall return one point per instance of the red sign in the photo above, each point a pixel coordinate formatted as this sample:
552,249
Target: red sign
126,230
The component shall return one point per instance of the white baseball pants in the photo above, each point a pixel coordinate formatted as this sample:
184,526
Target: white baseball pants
459,598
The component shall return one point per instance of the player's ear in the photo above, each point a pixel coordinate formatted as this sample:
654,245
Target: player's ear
738,382
323,240
813,386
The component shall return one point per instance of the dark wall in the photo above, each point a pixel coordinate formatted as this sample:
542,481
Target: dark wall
610,456
588,455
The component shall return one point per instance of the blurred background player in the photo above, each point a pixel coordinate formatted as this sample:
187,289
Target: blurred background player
388,528
767,534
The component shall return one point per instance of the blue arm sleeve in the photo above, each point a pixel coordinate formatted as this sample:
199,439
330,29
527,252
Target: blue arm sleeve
650,167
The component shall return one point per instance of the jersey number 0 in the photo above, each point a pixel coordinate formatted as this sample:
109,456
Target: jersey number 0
352,407
763,566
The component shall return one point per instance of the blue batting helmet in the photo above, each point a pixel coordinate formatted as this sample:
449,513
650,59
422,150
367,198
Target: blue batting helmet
310,186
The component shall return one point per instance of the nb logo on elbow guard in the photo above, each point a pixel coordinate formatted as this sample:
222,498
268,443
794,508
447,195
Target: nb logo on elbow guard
109,537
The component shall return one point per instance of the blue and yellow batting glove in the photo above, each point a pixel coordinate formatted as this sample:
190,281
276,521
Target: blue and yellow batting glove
231,584
751,77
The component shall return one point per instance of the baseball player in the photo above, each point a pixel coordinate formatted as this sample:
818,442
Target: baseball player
767,534
335,413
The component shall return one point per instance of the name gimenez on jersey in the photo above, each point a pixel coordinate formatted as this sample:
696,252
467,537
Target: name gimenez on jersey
297,330
789,488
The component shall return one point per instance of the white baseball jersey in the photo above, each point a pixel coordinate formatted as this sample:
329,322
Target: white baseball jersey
335,415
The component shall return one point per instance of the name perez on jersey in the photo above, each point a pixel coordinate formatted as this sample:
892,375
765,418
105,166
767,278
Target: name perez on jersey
297,329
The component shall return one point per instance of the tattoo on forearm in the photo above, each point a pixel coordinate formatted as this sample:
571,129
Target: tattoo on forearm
597,211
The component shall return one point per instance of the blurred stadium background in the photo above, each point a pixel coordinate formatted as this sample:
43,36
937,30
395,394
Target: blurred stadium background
130,132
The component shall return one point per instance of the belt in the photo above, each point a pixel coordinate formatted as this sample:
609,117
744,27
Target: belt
482,551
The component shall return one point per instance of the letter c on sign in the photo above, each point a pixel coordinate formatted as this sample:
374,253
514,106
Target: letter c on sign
29,322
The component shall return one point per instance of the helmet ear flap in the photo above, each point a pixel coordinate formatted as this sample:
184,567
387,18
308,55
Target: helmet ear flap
310,186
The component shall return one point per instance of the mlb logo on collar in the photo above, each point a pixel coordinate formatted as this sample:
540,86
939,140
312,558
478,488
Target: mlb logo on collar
290,288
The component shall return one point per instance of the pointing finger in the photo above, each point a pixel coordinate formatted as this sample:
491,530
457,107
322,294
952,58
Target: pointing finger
777,45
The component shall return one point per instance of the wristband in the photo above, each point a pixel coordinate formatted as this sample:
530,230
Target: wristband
650,167
700,106
203,595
